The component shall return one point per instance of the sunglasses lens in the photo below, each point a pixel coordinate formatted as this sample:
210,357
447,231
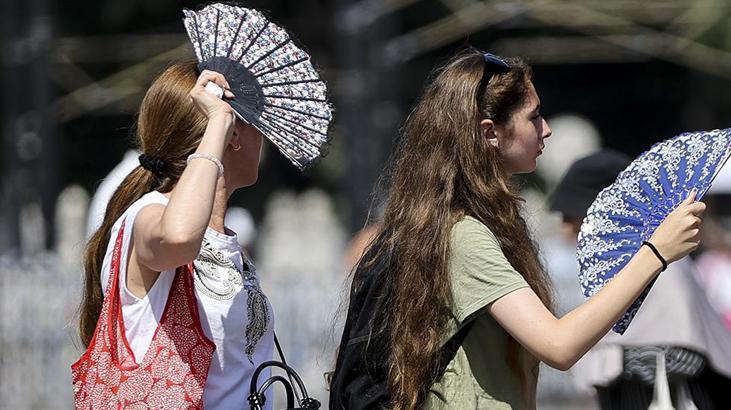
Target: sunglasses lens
495,60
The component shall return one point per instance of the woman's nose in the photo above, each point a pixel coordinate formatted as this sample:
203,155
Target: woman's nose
546,129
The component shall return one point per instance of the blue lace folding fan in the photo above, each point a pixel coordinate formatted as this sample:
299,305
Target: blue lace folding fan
627,212
276,88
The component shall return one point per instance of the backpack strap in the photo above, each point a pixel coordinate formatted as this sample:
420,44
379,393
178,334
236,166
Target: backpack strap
449,350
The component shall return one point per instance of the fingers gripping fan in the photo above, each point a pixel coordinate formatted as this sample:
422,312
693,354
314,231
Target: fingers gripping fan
276,89
627,212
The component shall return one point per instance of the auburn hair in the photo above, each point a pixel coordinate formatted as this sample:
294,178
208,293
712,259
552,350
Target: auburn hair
169,128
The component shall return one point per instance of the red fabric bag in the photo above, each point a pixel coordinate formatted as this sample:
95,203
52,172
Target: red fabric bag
173,372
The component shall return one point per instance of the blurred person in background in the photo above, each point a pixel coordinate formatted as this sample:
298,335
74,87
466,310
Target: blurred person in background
714,264
457,252
578,190
105,190
167,216
675,318
358,245
360,241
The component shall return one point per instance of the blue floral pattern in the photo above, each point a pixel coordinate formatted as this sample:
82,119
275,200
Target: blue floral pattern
627,213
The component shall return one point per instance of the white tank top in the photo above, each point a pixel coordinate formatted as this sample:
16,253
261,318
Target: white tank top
226,284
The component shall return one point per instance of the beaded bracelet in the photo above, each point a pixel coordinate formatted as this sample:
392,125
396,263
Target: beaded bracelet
208,157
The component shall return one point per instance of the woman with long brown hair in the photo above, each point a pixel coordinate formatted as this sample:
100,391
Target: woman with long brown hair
177,337
458,253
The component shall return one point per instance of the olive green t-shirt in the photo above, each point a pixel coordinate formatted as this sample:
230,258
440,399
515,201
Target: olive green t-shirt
480,376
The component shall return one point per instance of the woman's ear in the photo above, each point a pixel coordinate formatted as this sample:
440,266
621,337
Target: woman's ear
489,132
235,141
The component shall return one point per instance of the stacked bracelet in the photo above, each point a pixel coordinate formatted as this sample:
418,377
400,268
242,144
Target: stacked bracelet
657,253
208,157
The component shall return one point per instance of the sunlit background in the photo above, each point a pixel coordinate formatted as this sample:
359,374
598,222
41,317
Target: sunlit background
619,74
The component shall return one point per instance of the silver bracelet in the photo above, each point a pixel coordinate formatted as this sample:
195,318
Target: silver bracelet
208,157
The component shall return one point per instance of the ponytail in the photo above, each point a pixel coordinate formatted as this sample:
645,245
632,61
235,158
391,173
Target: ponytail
137,183
169,128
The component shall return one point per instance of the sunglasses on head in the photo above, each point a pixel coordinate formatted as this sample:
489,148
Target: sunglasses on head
494,64
496,60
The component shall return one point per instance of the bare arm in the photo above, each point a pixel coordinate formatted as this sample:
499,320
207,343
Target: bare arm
561,342
169,236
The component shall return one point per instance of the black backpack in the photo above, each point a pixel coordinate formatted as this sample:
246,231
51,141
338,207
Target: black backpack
360,379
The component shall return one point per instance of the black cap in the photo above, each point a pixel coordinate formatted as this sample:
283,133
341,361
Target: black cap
584,180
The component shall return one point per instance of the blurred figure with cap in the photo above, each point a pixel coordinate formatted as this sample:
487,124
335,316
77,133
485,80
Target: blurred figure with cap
583,181
695,342
575,191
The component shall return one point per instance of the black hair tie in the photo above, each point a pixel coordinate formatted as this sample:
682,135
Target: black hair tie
154,165
657,253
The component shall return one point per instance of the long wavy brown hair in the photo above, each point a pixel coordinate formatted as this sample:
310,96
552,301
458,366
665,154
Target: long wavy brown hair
169,127
443,169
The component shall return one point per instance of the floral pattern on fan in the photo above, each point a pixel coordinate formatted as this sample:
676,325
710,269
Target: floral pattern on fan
276,87
627,212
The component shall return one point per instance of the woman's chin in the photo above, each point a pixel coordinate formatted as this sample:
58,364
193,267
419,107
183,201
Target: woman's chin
527,169
244,181
249,182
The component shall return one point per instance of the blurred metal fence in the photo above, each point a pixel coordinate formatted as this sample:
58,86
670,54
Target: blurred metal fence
37,312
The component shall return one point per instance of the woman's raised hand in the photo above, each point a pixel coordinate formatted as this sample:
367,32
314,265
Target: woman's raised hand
679,234
209,104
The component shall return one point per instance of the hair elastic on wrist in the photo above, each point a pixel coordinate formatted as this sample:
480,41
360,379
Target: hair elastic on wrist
657,253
